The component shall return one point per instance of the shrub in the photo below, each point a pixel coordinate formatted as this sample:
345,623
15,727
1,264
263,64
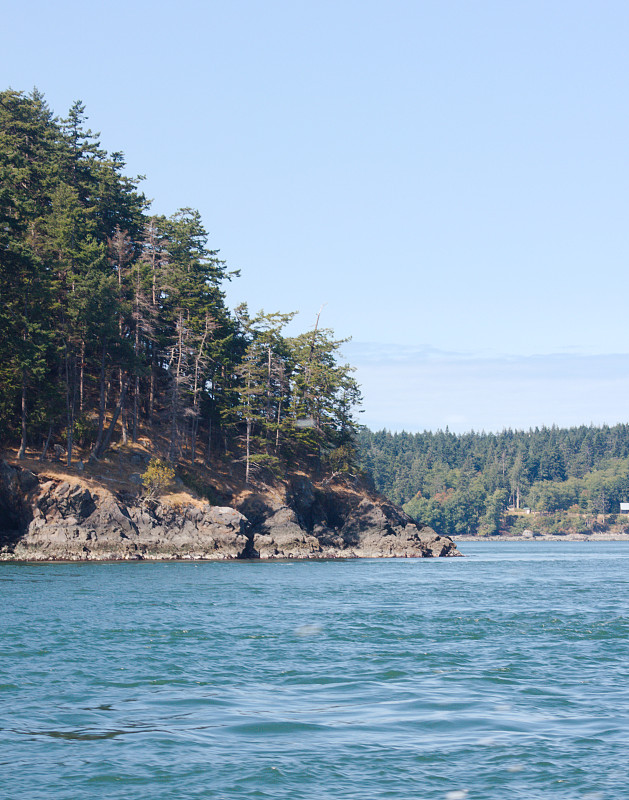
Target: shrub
158,476
342,459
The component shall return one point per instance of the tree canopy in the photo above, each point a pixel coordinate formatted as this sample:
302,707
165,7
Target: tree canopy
113,319
466,484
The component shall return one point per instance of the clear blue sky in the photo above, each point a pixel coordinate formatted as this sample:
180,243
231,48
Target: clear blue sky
449,177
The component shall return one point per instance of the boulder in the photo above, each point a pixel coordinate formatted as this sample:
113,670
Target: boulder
281,536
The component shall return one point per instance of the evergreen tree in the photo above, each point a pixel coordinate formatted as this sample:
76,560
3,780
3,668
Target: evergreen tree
27,167
113,321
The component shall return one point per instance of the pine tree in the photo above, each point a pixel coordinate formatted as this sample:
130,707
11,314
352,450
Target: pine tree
27,145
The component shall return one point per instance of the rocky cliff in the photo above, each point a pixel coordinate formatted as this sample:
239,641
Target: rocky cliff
43,518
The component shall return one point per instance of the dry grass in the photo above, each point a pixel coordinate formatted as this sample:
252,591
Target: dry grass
119,472
113,473
181,499
122,466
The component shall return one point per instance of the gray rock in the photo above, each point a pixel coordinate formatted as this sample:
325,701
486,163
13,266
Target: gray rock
62,521
337,523
281,536
12,510
27,480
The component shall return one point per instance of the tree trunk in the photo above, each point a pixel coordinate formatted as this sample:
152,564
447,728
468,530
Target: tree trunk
82,375
208,452
136,347
193,439
175,396
277,430
123,422
70,401
22,451
267,415
196,391
152,386
153,345
101,408
136,394
247,460
42,457
123,425
107,440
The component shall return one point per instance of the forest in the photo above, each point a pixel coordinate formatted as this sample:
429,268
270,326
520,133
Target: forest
114,326
114,329
572,480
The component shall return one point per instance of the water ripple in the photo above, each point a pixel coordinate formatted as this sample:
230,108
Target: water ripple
500,675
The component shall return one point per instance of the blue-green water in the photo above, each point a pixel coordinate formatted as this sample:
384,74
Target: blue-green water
502,675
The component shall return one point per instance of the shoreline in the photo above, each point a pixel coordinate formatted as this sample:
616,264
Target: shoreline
60,517
570,537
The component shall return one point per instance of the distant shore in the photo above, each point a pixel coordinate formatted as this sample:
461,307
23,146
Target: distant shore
570,537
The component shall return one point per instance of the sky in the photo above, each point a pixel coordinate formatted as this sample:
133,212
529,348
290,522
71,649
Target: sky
447,179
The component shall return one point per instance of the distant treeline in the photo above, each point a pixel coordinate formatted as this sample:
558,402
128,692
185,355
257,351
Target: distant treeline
466,483
113,321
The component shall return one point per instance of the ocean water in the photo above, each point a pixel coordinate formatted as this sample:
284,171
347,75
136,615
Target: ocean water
501,675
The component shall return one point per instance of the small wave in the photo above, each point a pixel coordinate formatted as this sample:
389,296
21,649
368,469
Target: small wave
86,736
275,728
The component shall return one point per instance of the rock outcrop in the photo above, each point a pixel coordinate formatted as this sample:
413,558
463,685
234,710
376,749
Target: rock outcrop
53,520
337,521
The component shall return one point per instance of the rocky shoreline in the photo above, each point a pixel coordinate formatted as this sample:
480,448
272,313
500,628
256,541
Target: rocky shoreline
568,537
44,518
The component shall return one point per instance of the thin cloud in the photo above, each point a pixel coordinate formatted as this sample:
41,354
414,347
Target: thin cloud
417,388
